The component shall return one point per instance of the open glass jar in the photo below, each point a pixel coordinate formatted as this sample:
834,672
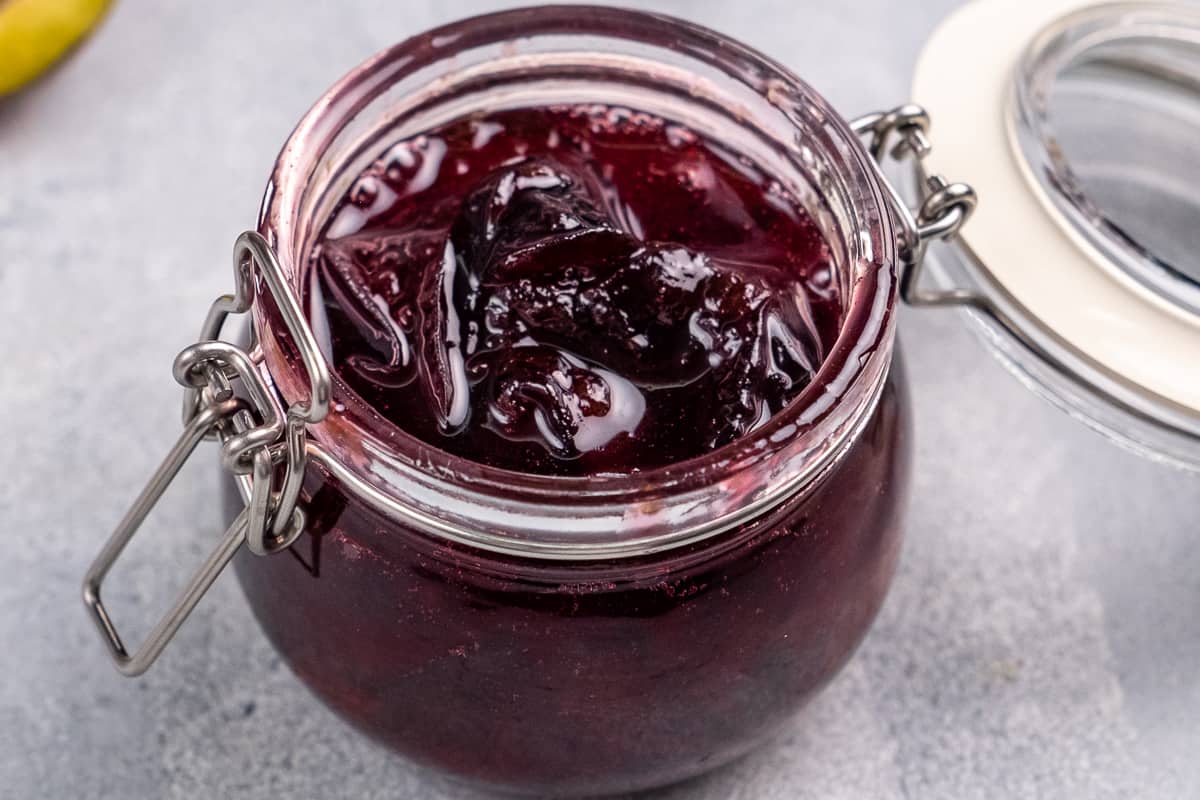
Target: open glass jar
546,634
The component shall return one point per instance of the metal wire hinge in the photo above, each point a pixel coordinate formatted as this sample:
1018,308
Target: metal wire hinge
261,443
943,209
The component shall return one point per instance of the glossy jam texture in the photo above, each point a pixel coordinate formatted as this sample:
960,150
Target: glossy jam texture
572,290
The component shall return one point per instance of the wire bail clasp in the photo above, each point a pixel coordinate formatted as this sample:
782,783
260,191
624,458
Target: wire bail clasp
903,133
262,444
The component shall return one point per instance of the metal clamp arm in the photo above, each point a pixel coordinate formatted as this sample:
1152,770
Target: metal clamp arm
207,419
256,435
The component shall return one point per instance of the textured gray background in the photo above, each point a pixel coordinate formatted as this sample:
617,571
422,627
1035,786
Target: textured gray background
1041,640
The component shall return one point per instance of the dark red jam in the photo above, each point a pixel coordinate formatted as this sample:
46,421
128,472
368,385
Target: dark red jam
572,290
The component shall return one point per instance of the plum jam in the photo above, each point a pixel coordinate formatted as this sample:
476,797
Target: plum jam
612,479
572,290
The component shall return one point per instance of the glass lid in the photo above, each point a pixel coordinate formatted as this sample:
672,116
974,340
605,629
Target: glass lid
1076,123
1107,105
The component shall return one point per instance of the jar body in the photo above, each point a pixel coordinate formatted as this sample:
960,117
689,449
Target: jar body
560,677
613,632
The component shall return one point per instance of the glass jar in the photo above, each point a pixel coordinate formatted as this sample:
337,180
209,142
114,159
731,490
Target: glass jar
567,635
606,633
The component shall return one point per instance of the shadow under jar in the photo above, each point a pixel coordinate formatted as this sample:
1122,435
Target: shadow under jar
608,632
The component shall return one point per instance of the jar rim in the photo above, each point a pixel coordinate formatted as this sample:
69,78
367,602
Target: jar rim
630,513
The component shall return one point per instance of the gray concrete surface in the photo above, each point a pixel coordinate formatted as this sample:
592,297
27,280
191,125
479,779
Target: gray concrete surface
1042,638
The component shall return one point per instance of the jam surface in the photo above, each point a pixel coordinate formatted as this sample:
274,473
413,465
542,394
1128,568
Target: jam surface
572,291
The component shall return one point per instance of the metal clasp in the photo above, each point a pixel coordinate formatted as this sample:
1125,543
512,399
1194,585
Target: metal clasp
943,207
256,434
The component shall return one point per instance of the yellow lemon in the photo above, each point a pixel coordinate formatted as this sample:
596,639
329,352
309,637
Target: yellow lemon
36,33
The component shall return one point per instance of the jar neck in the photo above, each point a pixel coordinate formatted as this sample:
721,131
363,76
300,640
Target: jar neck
722,90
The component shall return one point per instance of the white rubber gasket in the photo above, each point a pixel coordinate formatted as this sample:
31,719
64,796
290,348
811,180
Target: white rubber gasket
964,78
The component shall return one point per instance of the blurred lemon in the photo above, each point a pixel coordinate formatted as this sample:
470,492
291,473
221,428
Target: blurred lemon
36,33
